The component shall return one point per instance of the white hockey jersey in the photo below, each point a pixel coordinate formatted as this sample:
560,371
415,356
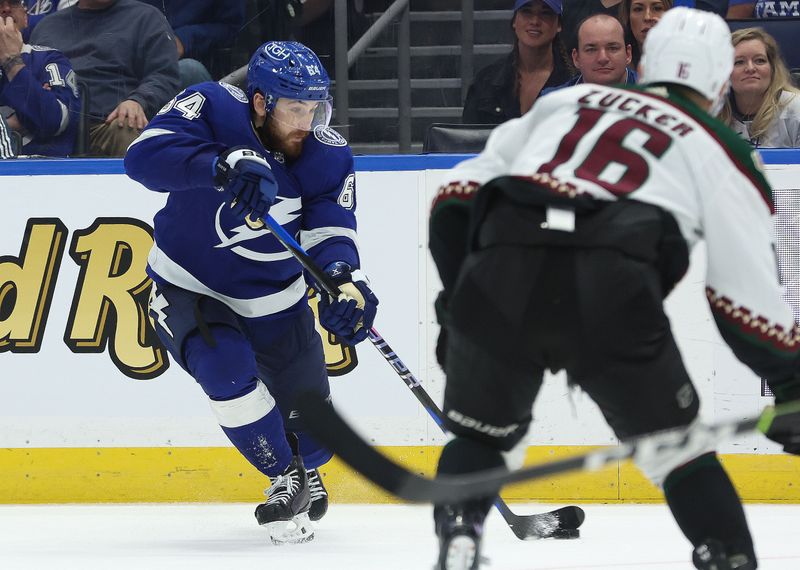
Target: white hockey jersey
653,146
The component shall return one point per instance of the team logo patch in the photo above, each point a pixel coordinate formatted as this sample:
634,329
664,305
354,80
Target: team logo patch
237,93
328,136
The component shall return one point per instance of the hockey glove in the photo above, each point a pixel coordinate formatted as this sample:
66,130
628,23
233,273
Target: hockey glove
786,392
349,317
247,180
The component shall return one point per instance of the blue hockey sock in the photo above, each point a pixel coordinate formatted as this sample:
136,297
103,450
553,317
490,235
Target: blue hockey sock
261,440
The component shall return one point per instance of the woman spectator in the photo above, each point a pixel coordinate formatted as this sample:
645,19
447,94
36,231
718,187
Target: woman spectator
763,106
638,17
507,88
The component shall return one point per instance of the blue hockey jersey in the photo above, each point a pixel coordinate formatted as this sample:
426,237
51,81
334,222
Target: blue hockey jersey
200,245
49,115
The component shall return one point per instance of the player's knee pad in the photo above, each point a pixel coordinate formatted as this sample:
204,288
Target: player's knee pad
225,370
657,463
246,409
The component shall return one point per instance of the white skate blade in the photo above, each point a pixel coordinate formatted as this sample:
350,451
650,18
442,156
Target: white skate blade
295,531
460,553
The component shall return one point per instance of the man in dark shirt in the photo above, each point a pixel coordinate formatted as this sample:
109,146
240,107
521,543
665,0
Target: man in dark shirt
602,56
124,51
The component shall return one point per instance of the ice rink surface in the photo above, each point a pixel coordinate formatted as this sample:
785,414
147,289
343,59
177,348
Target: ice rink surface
352,537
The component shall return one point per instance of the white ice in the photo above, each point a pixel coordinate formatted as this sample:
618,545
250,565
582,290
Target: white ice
352,537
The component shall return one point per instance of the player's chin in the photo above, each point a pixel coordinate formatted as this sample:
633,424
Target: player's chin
293,143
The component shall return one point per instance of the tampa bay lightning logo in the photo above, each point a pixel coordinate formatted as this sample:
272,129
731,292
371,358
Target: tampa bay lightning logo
327,135
276,51
234,237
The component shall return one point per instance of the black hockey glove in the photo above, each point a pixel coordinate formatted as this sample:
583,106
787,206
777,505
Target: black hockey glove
247,180
786,392
349,317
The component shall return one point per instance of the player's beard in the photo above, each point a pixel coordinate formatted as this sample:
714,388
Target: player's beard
290,142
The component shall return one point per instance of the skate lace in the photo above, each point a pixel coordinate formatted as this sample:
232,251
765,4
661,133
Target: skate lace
283,487
315,485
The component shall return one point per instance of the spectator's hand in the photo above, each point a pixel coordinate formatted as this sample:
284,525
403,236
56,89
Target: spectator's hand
179,45
13,123
10,39
128,113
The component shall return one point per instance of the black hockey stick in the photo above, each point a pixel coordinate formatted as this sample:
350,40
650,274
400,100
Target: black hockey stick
560,523
332,431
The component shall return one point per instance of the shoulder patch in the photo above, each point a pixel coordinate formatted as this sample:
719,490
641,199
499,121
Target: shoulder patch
31,47
328,136
237,93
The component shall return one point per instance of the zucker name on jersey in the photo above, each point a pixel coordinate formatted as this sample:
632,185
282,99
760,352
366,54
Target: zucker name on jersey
556,247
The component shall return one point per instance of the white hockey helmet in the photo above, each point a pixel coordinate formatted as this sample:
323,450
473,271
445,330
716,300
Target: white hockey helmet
692,48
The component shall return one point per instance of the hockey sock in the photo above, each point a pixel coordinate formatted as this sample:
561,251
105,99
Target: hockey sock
243,405
463,455
706,506
263,443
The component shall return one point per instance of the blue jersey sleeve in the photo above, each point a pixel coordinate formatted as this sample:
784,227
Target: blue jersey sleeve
326,174
176,151
43,93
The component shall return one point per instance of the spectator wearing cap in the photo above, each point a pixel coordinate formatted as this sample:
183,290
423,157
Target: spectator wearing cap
124,51
39,104
602,56
507,88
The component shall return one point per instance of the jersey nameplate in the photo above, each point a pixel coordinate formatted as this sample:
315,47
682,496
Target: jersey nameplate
328,136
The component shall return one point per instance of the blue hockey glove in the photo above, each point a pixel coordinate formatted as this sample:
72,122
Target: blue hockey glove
247,180
349,317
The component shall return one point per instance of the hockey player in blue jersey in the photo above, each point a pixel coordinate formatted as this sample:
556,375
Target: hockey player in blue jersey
38,92
228,301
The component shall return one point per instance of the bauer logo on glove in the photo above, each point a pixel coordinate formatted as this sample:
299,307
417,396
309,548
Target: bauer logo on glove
350,316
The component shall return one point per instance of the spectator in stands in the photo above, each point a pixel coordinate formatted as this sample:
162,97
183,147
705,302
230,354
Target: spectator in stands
740,9
763,106
507,88
125,52
39,101
638,17
602,56
201,27
576,11
38,9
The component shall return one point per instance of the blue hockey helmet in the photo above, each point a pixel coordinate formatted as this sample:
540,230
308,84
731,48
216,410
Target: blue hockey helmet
290,70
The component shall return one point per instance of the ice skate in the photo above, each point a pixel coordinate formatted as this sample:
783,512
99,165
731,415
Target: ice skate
459,533
285,512
711,555
319,495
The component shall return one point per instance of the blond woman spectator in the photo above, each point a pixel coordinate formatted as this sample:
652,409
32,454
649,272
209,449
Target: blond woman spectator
763,106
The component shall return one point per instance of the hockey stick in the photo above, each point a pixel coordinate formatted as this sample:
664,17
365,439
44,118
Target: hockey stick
329,427
560,523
